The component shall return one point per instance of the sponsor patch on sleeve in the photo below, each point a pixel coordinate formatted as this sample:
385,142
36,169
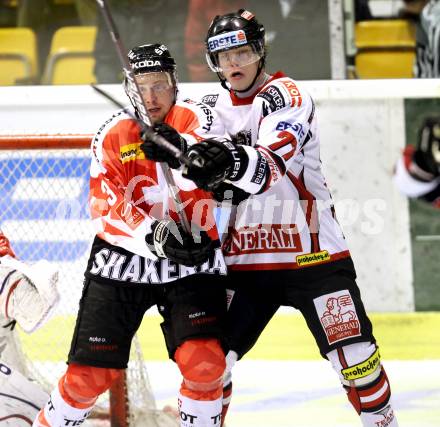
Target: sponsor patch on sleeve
131,152
273,100
294,93
338,316
261,170
210,100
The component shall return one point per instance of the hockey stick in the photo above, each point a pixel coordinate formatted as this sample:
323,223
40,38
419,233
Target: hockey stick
135,95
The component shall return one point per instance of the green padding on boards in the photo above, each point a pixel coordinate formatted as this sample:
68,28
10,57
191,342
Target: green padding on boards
424,219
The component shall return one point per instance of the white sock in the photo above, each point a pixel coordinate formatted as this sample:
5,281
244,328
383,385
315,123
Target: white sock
382,418
57,412
199,413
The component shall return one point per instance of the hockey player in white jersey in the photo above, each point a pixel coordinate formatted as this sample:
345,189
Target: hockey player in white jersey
417,173
27,296
284,244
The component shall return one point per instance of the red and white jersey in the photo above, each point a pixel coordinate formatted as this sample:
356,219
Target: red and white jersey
129,192
5,246
289,221
411,186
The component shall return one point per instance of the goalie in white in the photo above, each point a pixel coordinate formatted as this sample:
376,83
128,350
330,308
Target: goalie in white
27,296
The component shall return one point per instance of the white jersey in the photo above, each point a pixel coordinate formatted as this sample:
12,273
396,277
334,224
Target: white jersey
406,181
289,220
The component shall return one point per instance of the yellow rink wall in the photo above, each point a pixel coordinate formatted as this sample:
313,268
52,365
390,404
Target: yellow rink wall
408,336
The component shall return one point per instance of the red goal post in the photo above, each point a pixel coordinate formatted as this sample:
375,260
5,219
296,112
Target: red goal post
44,212
44,141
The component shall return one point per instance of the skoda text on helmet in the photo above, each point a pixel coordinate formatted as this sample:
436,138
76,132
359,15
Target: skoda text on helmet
153,58
232,31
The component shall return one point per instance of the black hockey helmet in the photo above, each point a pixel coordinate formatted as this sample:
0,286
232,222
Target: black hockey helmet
233,30
152,58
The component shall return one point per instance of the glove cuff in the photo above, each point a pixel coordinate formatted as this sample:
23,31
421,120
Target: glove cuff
421,167
239,164
158,237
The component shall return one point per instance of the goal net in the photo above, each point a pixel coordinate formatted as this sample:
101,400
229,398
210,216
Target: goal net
44,212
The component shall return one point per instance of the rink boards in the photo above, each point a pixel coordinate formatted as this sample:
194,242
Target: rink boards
283,382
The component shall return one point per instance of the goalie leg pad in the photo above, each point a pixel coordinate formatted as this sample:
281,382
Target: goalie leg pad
366,383
202,364
20,398
9,280
27,293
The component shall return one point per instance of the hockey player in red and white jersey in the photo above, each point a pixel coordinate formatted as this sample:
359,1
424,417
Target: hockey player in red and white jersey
417,173
28,293
142,256
284,245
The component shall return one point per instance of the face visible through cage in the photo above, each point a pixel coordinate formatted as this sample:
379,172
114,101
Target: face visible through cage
239,66
158,92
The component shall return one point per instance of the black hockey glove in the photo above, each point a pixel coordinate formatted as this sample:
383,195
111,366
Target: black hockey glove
168,240
225,191
158,154
219,159
427,154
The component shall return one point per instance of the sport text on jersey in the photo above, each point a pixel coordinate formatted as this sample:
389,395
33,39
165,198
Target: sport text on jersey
264,238
227,40
115,266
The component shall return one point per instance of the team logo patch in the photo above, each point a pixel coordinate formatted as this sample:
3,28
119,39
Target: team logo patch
247,15
131,152
210,100
273,98
133,218
338,316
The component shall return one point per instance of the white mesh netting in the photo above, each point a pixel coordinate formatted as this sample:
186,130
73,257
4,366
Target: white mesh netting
44,212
